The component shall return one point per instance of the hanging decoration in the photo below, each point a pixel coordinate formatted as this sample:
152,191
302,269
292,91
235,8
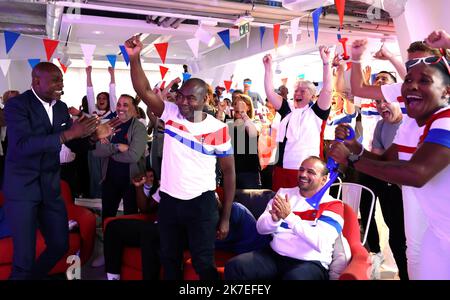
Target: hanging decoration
162,51
276,34
225,36
50,47
163,70
112,58
10,39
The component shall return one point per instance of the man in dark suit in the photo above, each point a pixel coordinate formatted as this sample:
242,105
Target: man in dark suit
38,124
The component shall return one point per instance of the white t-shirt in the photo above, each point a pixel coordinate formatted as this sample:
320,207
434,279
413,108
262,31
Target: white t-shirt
334,120
434,196
304,131
189,155
369,120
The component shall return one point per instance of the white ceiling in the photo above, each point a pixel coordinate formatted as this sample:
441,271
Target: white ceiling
109,23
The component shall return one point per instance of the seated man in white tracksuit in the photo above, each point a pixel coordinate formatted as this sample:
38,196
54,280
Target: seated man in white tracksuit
303,236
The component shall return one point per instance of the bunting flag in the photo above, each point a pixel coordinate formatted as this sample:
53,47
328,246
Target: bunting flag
33,62
63,66
10,39
126,58
225,36
316,16
112,59
193,44
163,85
88,53
50,47
276,34
186,76
294,30
4,65
163,70
340,7
262,30
227,84
162,51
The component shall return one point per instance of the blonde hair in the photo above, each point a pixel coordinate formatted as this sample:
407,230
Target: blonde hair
210,93
308,84
247,100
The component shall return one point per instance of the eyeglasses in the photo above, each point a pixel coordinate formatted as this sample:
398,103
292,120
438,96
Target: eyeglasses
430,60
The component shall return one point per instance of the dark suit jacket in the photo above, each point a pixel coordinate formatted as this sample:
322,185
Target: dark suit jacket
32,168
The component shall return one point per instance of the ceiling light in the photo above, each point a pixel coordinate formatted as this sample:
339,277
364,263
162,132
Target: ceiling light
97,32
211,42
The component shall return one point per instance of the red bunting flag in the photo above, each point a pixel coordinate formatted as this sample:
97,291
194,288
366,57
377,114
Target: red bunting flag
162,51
276,33
340,7
163,70
162,86
50,47
63,66
227,85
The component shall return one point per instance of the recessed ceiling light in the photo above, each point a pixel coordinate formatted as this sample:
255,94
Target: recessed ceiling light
174,55
211,41
97,32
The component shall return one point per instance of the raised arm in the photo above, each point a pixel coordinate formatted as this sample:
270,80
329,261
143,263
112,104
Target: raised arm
438,39
90,91
138,78
169,86
112,90
359,87
427,161
324,101
339,81
273,97
385,54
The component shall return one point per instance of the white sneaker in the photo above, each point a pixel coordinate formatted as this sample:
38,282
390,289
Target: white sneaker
98,261
377,260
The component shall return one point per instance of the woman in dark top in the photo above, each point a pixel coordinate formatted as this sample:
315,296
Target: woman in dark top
244,138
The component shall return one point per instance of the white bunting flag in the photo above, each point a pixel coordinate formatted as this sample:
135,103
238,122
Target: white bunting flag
88,52
4,65
294,30
193,44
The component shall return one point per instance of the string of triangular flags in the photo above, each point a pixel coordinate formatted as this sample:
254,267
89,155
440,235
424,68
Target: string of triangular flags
88,50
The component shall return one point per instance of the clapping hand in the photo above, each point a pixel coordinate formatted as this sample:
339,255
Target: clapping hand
107,129
281,208
82,127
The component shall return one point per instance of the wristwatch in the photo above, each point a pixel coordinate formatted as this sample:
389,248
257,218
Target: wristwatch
353,158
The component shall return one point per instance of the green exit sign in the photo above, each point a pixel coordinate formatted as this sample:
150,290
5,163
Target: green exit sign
244,29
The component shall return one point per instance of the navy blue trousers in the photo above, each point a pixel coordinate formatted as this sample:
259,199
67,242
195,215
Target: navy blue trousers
24,217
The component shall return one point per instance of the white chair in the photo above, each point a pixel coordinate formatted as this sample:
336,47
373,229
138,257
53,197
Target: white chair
350,193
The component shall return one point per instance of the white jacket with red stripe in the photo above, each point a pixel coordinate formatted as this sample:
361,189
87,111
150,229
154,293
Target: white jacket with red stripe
306,233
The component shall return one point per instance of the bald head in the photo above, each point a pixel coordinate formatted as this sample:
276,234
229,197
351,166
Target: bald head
47,81
191,98
44,67
200,86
